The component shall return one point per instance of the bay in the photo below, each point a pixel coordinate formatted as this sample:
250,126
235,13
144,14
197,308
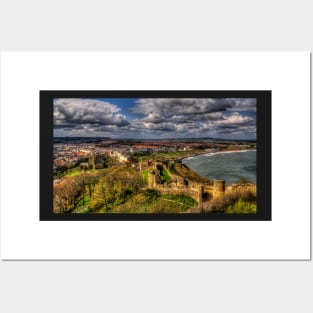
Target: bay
229,166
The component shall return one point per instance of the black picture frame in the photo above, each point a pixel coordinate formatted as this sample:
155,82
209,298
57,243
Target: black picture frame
264,150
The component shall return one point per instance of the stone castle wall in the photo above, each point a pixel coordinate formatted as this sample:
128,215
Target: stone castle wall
196,190
241,188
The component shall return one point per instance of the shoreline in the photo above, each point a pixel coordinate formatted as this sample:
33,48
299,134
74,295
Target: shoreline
216,152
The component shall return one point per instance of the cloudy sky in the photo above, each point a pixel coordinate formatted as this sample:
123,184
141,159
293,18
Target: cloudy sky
150,118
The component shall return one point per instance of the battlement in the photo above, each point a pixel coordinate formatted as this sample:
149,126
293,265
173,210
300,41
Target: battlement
200,191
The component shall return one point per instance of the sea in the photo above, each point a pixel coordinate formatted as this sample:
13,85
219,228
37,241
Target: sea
231,166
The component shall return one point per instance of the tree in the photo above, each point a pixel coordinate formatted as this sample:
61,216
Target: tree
65,195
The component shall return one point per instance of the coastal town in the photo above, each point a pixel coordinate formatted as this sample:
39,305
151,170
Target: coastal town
71,153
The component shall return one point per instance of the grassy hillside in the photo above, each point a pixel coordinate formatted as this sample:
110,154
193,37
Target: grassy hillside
118,189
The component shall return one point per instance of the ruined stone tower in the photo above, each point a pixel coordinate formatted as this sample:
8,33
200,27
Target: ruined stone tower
151,180
200,195
91,161
218,188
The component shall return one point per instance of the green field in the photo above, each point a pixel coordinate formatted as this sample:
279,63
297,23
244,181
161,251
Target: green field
76,171
73,172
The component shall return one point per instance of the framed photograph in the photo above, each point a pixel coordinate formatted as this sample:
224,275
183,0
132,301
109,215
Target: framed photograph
155,155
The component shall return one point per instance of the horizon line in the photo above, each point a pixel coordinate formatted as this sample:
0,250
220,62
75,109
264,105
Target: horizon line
133,138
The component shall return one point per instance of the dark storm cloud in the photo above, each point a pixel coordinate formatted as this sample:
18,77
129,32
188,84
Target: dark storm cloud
192,118
247,104
64,125
166,107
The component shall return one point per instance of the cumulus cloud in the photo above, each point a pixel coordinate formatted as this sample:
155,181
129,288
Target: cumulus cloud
72,112
234,120
196,116
157,118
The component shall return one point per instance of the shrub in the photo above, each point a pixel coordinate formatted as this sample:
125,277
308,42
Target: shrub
238,201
